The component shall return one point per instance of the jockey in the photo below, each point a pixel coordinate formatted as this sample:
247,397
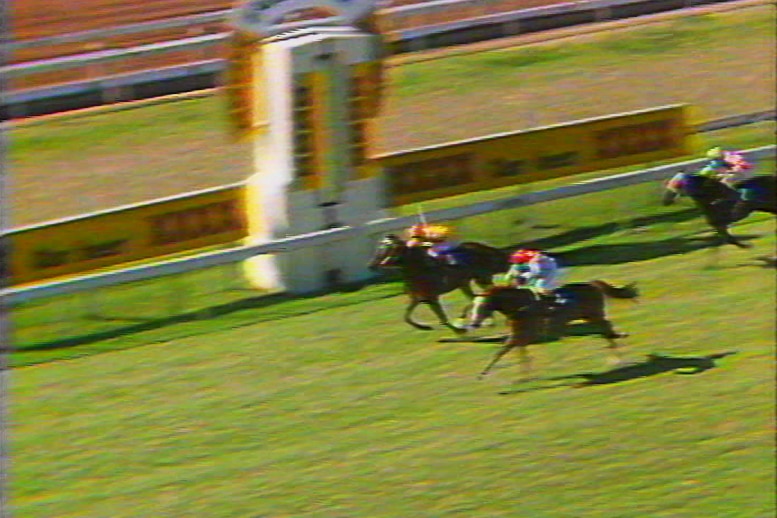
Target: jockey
536,270
436,238
416,235
442,247
730,167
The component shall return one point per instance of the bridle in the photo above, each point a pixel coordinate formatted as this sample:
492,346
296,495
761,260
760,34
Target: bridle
390,245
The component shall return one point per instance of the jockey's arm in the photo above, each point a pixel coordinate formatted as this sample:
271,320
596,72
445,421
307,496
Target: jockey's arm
709,171
514,275
535,269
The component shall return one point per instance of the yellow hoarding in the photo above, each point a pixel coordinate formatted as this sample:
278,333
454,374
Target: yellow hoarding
242,88
538,154
142,231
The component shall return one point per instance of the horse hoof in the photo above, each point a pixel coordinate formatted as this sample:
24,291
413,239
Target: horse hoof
424,328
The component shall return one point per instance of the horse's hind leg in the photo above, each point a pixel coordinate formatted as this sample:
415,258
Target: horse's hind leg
598,318
610,334
440,312
727,238
409,316
467,291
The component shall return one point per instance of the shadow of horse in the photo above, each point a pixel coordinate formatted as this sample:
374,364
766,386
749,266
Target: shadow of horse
722,205
128,326
638,251
578,234
571,329
653,365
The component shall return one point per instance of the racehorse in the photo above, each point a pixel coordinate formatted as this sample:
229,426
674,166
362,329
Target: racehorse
427,278
529,317
720,204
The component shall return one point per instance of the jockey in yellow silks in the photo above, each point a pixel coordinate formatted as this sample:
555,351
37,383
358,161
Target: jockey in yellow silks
437,239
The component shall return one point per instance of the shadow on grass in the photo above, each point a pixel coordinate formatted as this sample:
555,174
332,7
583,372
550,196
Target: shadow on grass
653,365
627,252
571,329
593,231
140,325
597,254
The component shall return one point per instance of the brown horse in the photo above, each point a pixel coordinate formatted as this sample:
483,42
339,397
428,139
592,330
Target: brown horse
721,205
427,278
530,317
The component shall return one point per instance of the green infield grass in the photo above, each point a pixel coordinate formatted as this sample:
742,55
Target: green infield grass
332,406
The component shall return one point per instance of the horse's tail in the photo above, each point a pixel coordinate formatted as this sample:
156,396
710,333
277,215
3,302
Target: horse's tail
628,291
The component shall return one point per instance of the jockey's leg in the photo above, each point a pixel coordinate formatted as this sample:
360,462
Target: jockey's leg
548,290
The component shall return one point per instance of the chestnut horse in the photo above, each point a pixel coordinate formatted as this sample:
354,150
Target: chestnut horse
427,278
530,318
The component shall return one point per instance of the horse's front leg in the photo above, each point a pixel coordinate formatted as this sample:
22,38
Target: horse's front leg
516,339
440,312
464,319
727,238
409,316
467,291
721,227
616,356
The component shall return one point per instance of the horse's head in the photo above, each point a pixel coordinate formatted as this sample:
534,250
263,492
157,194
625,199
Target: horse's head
389,252
675,187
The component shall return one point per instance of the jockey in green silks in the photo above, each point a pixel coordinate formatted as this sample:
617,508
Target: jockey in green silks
732,169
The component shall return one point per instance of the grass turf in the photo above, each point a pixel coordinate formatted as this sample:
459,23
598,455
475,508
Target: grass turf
341,410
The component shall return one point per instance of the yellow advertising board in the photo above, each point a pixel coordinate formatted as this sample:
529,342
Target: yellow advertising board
241,87
537,154
81,244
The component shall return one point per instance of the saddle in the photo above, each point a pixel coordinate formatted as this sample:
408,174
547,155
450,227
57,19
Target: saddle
555,302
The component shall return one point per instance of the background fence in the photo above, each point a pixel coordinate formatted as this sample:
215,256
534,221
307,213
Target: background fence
110,75
15,296
607,221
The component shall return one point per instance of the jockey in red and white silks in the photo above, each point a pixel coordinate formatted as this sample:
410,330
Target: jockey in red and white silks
534,269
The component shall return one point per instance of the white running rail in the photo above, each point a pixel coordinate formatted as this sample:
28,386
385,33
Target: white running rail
13,296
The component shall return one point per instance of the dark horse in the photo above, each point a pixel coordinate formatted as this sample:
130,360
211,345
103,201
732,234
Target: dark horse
720,204
427,278
530,318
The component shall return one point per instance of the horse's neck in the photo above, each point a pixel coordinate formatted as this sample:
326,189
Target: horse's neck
508,300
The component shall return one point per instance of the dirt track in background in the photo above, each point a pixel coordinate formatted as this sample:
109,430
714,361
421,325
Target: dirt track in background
173,165
31,19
